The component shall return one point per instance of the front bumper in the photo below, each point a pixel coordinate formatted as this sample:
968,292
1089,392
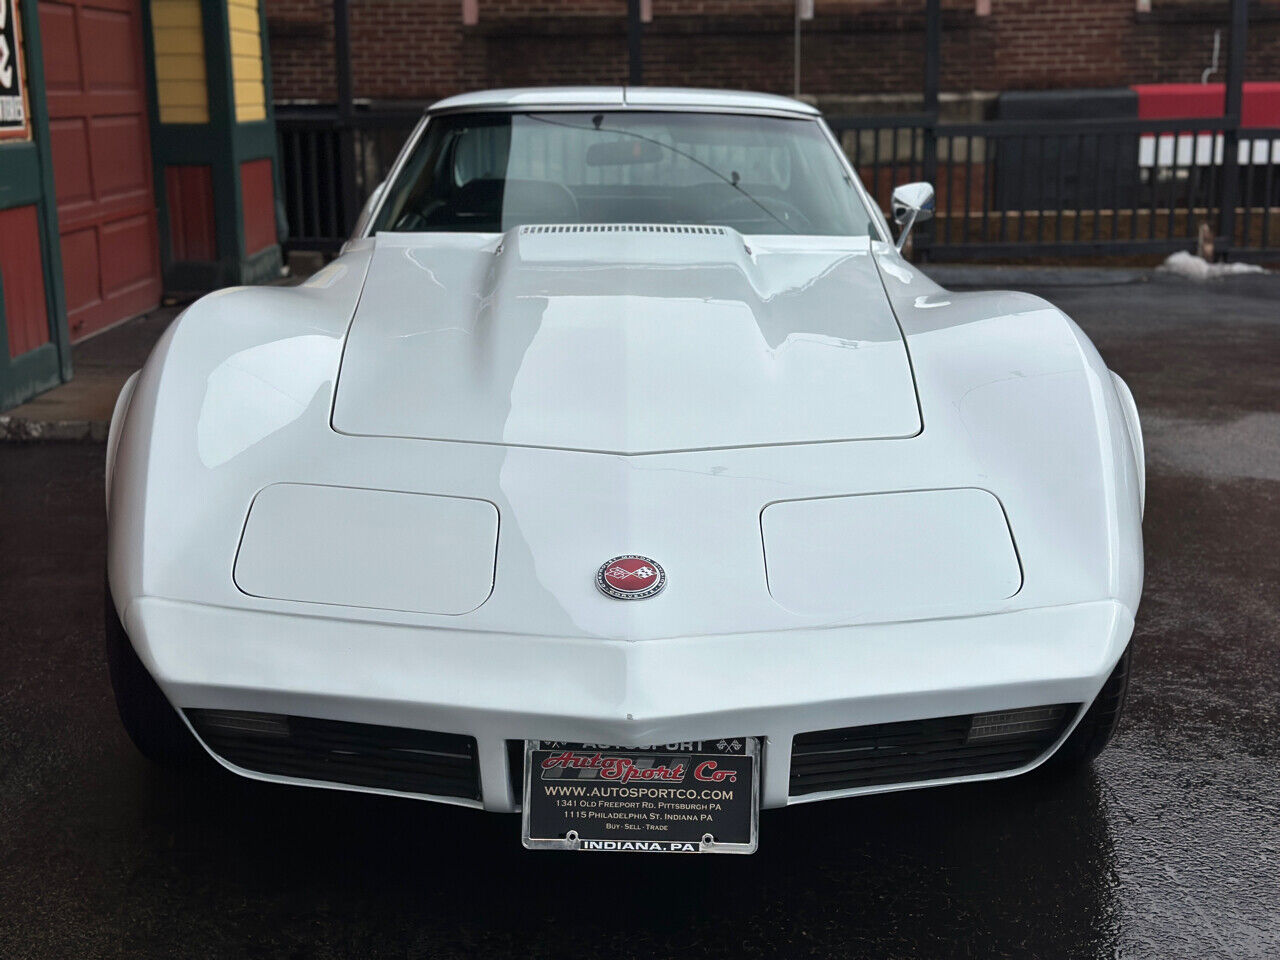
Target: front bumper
501,687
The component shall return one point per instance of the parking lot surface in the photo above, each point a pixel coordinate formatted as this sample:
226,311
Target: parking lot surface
1169,848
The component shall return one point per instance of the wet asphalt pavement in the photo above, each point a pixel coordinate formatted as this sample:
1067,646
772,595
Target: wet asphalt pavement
1169,848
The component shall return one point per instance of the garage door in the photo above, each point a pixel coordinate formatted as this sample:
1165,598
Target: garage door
101,159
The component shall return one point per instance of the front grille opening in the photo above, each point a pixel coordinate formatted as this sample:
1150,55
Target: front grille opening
515,770
921,750
1013,723
334,751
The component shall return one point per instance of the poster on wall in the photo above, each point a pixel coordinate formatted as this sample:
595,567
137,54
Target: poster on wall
13,104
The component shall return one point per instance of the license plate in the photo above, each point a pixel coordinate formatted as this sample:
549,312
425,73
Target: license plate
694,797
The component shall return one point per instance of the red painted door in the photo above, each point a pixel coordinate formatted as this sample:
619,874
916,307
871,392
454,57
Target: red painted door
101,160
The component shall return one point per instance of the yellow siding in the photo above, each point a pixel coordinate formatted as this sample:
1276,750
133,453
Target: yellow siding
244,18
188,94
171,66
247,69
181,82
246,60
177,114
176,13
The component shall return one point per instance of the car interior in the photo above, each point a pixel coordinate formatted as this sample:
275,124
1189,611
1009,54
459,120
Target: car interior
465,176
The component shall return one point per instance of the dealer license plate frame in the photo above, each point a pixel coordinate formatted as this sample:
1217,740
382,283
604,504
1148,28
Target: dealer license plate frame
542,821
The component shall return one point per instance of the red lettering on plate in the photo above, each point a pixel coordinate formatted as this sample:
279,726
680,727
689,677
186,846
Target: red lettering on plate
612,768
707,772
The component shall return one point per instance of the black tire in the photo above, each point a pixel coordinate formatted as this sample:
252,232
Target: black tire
150,720
1098,725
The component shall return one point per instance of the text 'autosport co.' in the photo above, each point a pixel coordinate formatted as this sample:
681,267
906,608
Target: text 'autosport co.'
691,797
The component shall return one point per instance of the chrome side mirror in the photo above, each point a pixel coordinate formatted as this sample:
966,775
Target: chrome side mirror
911,203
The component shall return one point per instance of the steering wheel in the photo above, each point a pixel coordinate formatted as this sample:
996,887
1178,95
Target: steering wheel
771,210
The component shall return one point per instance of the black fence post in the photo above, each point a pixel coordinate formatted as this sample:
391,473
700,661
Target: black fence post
1231,121
932,73
348,190
635,52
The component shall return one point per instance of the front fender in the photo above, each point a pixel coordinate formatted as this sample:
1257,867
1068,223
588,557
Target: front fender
1013,383
1134,427
118,414
238,366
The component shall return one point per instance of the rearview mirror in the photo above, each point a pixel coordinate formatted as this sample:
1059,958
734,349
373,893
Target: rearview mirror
621,153
911,203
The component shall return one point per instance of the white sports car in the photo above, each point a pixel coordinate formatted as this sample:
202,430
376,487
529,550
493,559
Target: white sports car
623,473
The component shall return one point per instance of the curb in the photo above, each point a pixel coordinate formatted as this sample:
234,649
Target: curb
22,429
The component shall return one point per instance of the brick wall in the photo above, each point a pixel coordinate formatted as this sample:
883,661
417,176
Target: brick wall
420,50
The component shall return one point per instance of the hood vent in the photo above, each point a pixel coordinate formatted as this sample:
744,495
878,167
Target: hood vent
620,228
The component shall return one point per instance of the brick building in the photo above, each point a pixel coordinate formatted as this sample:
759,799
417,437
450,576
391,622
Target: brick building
419,50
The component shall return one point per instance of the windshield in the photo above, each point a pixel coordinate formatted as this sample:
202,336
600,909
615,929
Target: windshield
489,172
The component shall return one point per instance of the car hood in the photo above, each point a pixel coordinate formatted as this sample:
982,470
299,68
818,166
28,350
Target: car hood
624,339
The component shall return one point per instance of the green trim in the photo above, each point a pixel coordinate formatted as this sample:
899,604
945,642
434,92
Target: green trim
55,292
195,142
186,278
271,120
20,182
185,143
158,156
228,212
25,376
26,177
254,140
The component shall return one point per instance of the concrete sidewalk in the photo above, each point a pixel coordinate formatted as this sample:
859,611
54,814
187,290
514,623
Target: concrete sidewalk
81,409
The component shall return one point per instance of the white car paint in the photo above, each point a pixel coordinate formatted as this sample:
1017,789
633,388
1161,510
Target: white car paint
624,341
414,551
250,390
915,551
622,98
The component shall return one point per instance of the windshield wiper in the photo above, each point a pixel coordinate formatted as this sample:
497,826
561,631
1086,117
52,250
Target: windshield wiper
733,182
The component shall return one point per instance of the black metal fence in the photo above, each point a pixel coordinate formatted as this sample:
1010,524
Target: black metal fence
1012,189
329,167
1005,189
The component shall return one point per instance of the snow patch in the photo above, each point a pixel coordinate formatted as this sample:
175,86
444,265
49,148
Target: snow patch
1188,265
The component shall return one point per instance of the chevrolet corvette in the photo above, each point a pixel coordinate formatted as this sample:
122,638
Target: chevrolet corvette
622,472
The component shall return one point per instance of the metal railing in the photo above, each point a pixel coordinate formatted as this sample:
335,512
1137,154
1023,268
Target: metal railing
1012,189
1005,189
329,168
